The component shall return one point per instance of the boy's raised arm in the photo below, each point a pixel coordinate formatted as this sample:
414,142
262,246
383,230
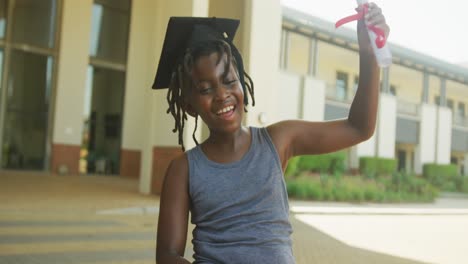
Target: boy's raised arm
296,137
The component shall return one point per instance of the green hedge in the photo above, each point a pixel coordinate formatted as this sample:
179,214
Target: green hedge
325,163
333,163
291,169
440,175
396,188
372,167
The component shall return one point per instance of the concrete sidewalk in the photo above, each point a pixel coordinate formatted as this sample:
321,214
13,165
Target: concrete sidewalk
442,206
103,219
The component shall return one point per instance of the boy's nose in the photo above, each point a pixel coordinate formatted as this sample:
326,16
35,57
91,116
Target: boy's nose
222,92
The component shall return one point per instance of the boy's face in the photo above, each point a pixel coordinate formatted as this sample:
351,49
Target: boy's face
216,95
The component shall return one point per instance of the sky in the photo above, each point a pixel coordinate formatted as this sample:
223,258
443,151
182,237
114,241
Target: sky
435,28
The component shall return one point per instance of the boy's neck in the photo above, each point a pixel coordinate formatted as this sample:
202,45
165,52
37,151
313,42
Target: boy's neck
226,147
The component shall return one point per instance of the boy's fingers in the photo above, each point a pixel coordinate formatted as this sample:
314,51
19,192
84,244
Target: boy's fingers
375,16
376,20
373,5
374,12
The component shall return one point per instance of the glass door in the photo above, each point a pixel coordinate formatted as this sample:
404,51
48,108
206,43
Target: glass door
105,89
28,44
27,110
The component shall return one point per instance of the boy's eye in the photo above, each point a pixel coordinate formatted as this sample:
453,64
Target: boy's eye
205,90
230,81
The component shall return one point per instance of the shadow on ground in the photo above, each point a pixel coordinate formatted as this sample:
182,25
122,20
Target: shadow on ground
52,219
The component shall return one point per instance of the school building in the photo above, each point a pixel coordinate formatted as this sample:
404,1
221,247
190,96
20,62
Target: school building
75,80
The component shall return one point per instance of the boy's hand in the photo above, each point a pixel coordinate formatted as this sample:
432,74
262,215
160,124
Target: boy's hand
373,17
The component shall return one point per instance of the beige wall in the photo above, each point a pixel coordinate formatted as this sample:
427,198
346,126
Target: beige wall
434,88
299,53
408,83
458,93
332,59
153,124
261,55
164,123
141,67
230,9
72,66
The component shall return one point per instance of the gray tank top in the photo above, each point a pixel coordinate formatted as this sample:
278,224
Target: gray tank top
240,210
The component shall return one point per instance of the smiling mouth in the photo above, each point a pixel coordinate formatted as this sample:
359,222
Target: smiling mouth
226,111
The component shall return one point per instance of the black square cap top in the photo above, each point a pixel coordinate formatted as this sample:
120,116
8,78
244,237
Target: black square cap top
185,32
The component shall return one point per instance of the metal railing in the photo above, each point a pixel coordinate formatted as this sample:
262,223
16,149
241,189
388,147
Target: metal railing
407,108
332,93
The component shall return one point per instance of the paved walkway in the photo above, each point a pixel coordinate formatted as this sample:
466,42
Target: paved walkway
103,220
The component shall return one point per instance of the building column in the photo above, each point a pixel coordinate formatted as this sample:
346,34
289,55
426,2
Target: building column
425,94
386,126
382,142
444,135
159,143
363,149
386,80
313,99
139,77
313,58
426,149
443,92
71,83
261,51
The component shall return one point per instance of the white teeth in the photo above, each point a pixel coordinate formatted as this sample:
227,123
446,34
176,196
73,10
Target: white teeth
225,110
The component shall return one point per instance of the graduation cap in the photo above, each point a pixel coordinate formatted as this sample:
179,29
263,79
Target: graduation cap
187,32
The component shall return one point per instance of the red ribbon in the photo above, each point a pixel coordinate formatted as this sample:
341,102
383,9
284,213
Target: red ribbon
380,40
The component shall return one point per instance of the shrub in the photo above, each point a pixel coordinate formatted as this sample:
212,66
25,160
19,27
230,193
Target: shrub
371,193
340,193
372,167
464,187
459,182
402,186
439,174
304,188
357,195
324,179
292,168
391,188
368,166
327,163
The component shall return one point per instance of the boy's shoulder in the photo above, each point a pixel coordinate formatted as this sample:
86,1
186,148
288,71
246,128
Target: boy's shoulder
179,165
181,159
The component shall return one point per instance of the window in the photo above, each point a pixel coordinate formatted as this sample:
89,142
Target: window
27,85
461,109
450,104
402,160
454,160
393,90
341,85
105,87
356,83
109,30
437,100
34,22
3,14
26,116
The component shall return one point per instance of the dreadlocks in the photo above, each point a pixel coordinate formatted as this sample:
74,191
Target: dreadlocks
181,82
